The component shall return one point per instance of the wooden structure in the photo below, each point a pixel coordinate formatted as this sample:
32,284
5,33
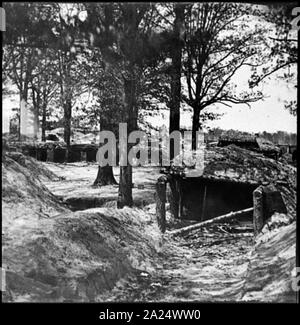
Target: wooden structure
161,202
226,217
287,148
266,201
253,143
233,180
56,151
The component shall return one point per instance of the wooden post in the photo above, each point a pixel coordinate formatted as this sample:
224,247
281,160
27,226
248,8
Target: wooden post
258,212
161,203
83,156
174,197
180,200
50,154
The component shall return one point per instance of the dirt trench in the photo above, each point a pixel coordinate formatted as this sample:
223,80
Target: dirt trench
202,267
209,265
215,264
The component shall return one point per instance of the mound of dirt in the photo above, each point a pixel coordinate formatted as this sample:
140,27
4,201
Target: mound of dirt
24,196
270,271
37,168
54,255
79,256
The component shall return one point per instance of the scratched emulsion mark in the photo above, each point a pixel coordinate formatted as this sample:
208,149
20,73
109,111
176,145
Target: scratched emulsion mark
2,20
295,22
3,279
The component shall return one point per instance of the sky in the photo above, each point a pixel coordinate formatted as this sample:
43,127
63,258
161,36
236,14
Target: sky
268,115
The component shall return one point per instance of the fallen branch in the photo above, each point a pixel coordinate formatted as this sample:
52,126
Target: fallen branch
199,225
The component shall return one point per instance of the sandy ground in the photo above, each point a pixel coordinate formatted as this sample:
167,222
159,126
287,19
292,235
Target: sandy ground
76,189
100,253
211,265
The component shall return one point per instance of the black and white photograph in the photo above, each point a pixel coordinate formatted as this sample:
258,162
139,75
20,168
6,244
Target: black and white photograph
149,153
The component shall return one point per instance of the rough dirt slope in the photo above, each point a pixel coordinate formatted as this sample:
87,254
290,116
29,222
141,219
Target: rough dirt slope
53,254
104,254
273,259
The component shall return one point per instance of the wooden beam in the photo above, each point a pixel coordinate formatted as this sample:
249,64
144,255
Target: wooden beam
205,223
180,198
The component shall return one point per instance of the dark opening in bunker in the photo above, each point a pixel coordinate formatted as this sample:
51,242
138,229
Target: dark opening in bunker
42,154
203,199
91,154
59,155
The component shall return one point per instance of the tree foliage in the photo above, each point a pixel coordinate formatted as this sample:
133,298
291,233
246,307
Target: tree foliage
132,60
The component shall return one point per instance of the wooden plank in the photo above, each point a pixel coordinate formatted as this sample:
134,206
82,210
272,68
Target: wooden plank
174,198
222,218
180,198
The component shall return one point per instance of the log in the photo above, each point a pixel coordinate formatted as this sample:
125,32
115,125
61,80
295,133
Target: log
205,223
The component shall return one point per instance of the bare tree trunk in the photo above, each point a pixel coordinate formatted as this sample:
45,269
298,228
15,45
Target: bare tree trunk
176,53
161,203
35,125
23,116
105,176
44,121
195,126
67,126
125,187
125,182
36,100
66,97
174,197
132,18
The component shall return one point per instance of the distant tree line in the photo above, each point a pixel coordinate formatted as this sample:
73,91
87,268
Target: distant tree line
279,137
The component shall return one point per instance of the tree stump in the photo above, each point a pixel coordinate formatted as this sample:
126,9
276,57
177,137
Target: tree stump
105,176
161,203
